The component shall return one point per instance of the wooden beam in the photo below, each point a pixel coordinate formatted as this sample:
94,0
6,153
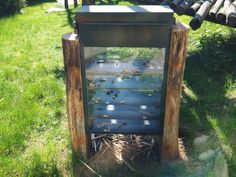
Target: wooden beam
176,64
74,93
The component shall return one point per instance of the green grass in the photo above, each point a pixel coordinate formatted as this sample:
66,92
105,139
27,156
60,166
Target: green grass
33,133
34,140
209,98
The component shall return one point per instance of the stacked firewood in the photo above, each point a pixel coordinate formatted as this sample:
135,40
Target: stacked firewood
218,11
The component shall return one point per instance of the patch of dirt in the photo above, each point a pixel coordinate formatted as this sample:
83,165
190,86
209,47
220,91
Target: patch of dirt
114,153
134,155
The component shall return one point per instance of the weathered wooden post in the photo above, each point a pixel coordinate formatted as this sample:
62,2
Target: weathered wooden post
176,64
74,94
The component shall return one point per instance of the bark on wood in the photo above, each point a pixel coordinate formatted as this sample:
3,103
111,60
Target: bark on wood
194,8
176,64
186,4
231,15
201,14
74,93
215,8
175,3
221,15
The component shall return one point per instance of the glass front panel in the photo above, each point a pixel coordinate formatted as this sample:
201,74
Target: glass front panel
124,87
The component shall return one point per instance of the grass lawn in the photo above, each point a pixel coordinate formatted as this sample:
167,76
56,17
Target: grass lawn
33,128
34,140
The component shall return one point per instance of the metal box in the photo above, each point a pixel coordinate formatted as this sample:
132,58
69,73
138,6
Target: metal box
124,53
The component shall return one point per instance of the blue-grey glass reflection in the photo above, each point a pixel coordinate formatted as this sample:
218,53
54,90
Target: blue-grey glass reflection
124,88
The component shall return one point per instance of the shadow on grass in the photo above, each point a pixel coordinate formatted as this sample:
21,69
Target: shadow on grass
210,73
59,73
6,14
206,73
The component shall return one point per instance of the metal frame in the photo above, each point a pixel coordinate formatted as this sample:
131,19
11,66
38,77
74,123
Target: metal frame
163,92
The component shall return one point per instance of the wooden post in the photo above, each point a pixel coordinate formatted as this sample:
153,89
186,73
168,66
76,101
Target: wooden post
176,64
74,93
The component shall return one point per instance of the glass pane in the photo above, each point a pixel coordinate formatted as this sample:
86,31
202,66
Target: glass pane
124,88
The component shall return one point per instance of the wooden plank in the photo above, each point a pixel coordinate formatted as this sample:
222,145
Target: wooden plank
176,64
74,93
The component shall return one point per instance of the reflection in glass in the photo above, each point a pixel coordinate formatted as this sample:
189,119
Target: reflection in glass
124,88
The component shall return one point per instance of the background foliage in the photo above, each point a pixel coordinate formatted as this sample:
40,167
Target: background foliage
11,6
